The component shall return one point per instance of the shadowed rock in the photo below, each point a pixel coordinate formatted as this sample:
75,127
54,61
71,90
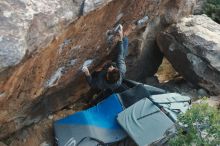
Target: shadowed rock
193,48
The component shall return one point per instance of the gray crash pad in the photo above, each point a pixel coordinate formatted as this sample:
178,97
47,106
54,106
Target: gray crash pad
173,103
144,122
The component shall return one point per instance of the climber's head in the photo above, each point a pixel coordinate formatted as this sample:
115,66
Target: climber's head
113,74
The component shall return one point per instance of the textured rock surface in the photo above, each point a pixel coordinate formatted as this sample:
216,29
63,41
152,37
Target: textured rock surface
49,77
29,25
2,144
198,9
90,5
193,48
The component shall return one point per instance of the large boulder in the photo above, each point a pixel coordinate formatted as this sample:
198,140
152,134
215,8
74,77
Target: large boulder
27,26
53,39
193,48
148,56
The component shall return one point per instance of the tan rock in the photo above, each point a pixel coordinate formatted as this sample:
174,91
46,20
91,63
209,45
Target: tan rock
56,43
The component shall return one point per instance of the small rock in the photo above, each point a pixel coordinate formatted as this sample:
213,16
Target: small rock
202,93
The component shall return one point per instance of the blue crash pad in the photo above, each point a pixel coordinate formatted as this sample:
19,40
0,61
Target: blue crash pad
98,122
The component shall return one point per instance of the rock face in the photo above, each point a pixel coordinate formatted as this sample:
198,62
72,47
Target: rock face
198,9
193,48
27,26
90,5
44,44
2,144
148,56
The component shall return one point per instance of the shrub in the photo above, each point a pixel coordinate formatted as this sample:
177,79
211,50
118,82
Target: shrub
200,126
212,9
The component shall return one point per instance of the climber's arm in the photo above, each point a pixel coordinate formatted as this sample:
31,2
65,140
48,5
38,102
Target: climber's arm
120,61
122,47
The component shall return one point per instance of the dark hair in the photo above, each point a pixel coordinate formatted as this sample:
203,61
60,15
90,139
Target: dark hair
113,76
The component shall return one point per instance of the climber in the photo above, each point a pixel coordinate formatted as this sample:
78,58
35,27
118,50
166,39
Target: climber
112,74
